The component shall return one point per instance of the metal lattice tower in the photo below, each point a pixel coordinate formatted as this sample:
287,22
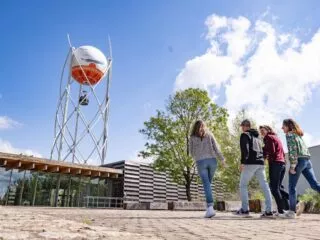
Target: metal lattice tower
81,121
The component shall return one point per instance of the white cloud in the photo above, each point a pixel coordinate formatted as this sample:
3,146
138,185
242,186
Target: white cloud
287,38
135,156
7,147
272,74
6,123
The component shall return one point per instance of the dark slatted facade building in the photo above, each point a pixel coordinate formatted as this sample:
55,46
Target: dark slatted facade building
141,183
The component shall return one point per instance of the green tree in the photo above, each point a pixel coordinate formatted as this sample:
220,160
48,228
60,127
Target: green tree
168,133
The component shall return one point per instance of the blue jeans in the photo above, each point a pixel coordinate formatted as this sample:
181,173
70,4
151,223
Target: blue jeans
304,166
247,173
206,170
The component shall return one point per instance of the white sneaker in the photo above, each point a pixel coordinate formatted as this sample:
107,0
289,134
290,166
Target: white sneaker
281,215
210,212
300,208
288,215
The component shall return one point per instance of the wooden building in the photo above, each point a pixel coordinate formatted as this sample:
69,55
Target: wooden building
67,184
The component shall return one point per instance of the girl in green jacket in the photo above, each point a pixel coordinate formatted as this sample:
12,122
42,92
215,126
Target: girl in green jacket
300,163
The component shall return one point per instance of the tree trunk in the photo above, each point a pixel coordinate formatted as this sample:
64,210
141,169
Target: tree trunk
188,191
187,177
187,141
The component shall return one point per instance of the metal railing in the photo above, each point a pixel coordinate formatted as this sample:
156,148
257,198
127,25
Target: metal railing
102,202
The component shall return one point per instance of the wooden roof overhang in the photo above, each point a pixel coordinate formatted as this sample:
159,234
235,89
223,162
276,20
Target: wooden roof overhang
23,162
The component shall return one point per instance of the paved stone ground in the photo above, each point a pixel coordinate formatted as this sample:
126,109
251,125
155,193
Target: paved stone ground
61,223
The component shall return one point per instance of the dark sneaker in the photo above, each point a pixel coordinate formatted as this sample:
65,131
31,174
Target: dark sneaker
240,212
267,215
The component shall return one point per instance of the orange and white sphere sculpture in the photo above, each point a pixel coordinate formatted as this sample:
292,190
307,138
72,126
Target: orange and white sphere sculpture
88,65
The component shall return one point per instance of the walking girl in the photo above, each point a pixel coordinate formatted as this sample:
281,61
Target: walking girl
300,163
252,164
204,150
274,153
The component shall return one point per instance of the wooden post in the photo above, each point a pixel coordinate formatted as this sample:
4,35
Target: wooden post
48,175
35,190
22,187
98,195
68,192
79,188
7,198
57,190
64,198
90,186
90,191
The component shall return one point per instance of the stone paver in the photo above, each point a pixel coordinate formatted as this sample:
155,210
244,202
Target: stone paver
61,223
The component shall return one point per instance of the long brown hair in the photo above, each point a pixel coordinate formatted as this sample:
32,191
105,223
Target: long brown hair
293,126
196,128
268,128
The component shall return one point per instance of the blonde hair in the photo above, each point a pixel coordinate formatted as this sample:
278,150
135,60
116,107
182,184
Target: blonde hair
293,126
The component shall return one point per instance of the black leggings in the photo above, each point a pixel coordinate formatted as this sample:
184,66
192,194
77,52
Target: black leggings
277,171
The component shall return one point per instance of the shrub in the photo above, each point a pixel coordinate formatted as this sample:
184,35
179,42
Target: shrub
312,200
257,195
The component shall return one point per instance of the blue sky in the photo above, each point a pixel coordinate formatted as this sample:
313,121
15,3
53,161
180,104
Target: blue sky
34,46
